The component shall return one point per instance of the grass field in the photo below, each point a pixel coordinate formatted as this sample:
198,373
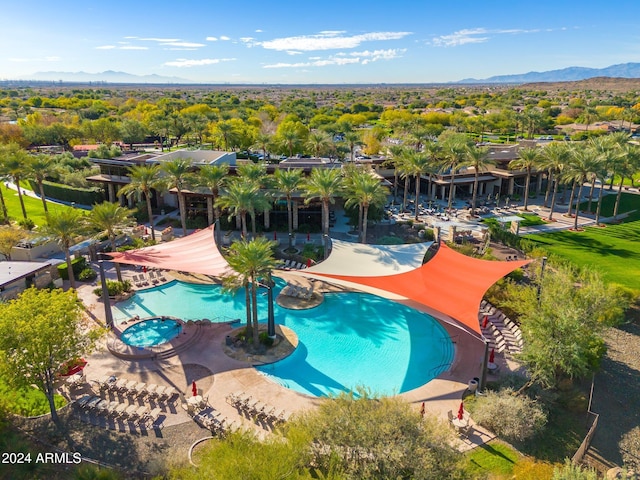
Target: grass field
35,210
613,249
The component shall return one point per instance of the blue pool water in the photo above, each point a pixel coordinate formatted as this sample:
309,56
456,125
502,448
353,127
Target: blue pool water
151,332
350,340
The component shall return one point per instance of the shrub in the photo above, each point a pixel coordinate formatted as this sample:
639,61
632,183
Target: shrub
87,275
26,223
78,265
512,417
265,339
198,222
114,288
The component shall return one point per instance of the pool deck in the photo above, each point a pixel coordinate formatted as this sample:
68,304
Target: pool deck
217,374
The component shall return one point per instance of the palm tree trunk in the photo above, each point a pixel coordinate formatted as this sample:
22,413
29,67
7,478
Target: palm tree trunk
253,224
475,194
112,239
546,195
575,223
417,196
364,223
618,197
406,193
325,217
243,224
72,279
395,183
290,220
526,190
150,214
5,215
451,185
593,186
598,207
42,197
210,217
553,200
24,211
247,299
360,208
183,212
254,299
571,197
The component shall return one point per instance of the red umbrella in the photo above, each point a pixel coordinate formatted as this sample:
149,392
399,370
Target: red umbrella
308,262
73,366
461,411
275,235
492,355
308,237
194,389
485,321
422,409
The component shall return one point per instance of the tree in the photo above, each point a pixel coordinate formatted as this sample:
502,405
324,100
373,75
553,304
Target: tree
562,325
109,218
212,177
13,160
318,142
324,184
287,182
454,151
419,164
583,162
352,140
39,332
38,168
528,159
238,200
367,437
627,166
9,238
132,132
478,158
555,159
252,261
179,176
144,179
365,190
66,225
289,138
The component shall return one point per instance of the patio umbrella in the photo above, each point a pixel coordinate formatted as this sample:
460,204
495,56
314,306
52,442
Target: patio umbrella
308,262
194,389
422,410
461,411
72,367
492,355
275,235
485,321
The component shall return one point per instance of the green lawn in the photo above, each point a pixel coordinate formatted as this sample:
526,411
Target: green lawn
493,457
35,210
613,249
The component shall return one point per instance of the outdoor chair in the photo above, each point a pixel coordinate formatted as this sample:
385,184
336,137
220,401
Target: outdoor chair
137,280
160,276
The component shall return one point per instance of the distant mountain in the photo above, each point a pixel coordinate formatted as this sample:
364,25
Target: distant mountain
107,77
569,74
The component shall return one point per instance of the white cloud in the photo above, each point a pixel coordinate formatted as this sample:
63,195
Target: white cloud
159,40
211,39
133,47
293,52
316,63
182,44
106,47
474,35
185,63
328,40
248,40
258,31
224,38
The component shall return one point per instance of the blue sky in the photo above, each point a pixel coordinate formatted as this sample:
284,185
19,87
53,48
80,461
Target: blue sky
417,41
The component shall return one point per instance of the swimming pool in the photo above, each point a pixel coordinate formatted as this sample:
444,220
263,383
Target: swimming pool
154,331
350,340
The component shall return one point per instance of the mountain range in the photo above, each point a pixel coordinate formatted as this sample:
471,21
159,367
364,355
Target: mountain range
108,76
569,74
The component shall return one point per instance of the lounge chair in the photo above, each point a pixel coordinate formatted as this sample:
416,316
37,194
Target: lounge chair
137,280
160,276
152,417
152,277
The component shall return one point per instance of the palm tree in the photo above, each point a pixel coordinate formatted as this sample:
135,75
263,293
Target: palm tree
287,182
179,176
454,151
14,164
478,158
108,218
555,159
238,200
263,142
582,164
627,166
318,142
528,159
404,168
38,168
65,225
253,261
144,179
3,176
419,164
352,140
226,132
365,190
212,177
433,151
289,139
256,174
324,184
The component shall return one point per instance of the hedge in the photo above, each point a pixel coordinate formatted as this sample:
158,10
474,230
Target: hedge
78,264
65,193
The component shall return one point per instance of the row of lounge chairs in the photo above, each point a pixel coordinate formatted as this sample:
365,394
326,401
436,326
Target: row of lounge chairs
135,389
142,280
292,265
140,414
216,422
298,291
256,409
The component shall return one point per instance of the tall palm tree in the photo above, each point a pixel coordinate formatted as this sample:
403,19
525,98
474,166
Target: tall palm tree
324,184
263,142
109,218
256,173
627,166
419,164
253,261
287,182
318,142
144,179
226,132
454,152
404,168
65,225
478,158
365,190
238,199
582,163
528,159
212,177
352,140
15,165
3,205
433,151
179,176
38,168
555,159
289,139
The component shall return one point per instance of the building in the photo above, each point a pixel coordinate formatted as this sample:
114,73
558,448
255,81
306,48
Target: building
15,277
